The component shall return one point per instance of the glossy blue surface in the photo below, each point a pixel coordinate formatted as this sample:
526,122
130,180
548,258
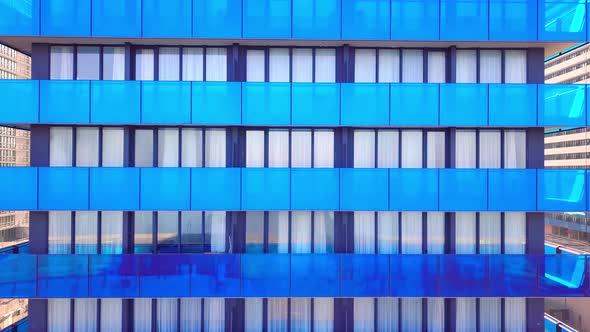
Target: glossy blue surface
23,109
266,189
266,19
315,275
562,104
216,103
362,19
64,101
62,276
167,18
513,20
457,15
462,189
561,20
165,188
365,275
413,189
216,275
364,189
512,105
166,103
114,275
415,20
65,18
512,189
18,279
561,190
464,105
217,18
164,275
19,18
322,182
115,102
215,189
364,104
414,104
19,191
315,104
316,19
266,103
114,188
114,18
63,188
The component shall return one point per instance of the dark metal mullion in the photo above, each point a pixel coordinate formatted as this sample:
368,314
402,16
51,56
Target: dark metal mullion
313,65
204,144
180,61
99,232
73,232
376,233
179,231
156,63
154,231
100,147
425,55
312,148
266,64
203,236
265,148
205,64
100,63
265,231
75,71
477,230
312,231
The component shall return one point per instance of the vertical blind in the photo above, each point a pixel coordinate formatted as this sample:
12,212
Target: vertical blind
86,232
85,315
59,232
113,152
61,63
142,315
111,315
58,315
113,63
87,147
168,64
61,146
144,64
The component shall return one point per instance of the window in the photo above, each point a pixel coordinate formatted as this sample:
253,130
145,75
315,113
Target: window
113,63
63,141
144,64
88,67
293,314
492,153
61,63
485,66
88,63
308,65
395,65
181,63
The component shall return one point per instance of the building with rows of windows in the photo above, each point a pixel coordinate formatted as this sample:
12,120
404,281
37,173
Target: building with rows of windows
290,165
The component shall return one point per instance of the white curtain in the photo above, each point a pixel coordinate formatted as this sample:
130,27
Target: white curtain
144,148
60,146
466,69
277,314
142,315
190,315
86,232
169,64
60,232
214,314
325,65
113,63
388,234
302,65
215,222
389,66
58,315
301,232
490,66
411,232
411,149
61,63
490,318
168,147
87,147
216,60
323,314
87,63
255,231
436,314
411,314
435,149
301,148
278,148
300,314
144,65
215,150
255,67
278,231
323,232
515,66
465,232
167,228
515,315
192,147
142,227
253,315
364,232
84,315
387,314
191,230
437,71
490,149
111,317
323,148
466,321
365,65
167,315
412,66
514,149
364,148
465,154
435,232
364,314
279,66
387,148
113,147
254,148
490,233
514,232
192,64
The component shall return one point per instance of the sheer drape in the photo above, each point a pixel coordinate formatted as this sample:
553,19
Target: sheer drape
60,232
278,148
191,231
169,64
411,149
86,232
277,314
84,315
388,234
144,65
300,314
465,232
466,316
490,149
87,147
412,66
436,314
216,64
190,315
192,147
253,314
61,146
254,148
167,231
514,149
113,147
437,70
255,231
515,66
435,149
167,315
515,315
61,63
323,148
142,315
192,64
113,63
514,232
364,148
323,232
387,314
323,314
490,233
490,66
58,315
278,231
389,66
411,232
215,149
301,148
111,315
365,65
168,147
215,230
435,232
279,66
490,318
301,232
302,65
214,313
465,149
87,63
466,70
387,148
364,232
325,65
255,67
364,314
144,148
143,225
411,314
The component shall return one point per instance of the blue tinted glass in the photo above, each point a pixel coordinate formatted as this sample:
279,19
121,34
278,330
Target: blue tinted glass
316,104
215,189
413,189
19,18
414,104
217,18
415,275
316,19
63,188
563,275
562,20
364,275
513,275
365,104
18,275
315,275
114,189
365,19
217,103
561,190
463,104
115,102
166,102
562,105
164,275
114,276
65,17
512,190
24,109
63,276
513,105
513,20
363,189
414,20
265,275
114,18
464,275
165,189
463,20
216,275
65,102
19,191
266,103
314,189
463,189
167,18
265,189
267,19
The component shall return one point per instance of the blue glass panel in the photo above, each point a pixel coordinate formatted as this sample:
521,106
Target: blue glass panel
114,188
65,18
62,276
19,18
166,103
549,325
415,275
561,190
19,188
167,18
265,189
316,19
266,103
463,20
315,275
63,188
115,18
364,189
115,102
563,275
267,19
316,104
550,250
562,105
364,275
366,19
314,189
512,189
266,275
165,188
464,275
513,20
513,275
18,274
217,18
215,189
216,275
114,276
463,104
415,20
65,102
217,103
562,20
413,189
414,104
513,105
365,104
25,108
164,275
463,189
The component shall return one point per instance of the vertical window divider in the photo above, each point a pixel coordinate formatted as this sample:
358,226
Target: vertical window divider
179,232
156,63
265,230
204,52
73,232
180,58
154,232
203,235
99,232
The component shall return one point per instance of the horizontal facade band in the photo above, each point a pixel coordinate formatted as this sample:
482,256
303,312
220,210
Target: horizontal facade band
293,104
427,20
319,189
283,275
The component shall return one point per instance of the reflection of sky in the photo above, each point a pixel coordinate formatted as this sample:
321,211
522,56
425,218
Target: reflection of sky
24,7
569,17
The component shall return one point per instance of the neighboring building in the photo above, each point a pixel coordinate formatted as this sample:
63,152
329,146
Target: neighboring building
13,64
